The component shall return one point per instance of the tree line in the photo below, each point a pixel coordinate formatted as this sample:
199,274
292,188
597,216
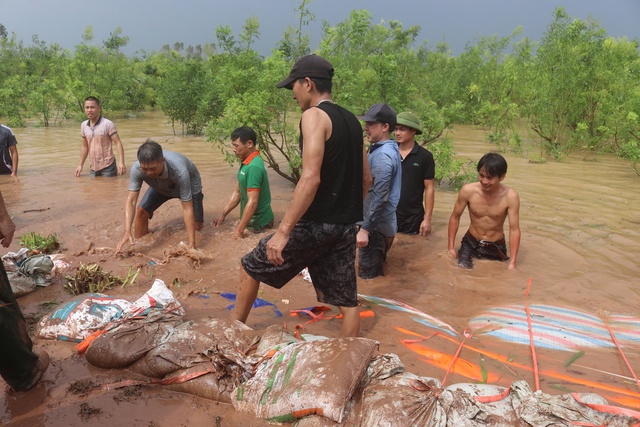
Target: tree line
577,89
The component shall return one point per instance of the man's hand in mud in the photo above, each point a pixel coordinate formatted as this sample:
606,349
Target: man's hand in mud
127,237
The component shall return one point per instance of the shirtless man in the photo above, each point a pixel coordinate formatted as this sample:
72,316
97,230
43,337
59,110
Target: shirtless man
490,202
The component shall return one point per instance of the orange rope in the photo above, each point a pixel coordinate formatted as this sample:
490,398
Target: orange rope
615,341
536,375
465,335
608,409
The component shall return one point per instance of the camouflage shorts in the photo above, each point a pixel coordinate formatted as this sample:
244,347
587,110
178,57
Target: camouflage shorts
328,250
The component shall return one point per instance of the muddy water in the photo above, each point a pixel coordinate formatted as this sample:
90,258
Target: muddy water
580,238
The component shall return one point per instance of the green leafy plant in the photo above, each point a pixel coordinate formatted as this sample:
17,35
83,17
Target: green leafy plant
39,244
92,279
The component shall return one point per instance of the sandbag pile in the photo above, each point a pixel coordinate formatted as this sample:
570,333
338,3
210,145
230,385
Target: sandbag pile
316,381
388,397
205,358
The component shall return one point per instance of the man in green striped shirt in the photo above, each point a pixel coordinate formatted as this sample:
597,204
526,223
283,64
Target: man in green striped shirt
252,192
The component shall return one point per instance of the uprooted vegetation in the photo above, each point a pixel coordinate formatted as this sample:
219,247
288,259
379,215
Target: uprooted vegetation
91,278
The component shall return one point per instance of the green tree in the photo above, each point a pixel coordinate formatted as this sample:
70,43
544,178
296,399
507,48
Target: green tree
564,81
48,98
105,72
250,32
295,43
266,109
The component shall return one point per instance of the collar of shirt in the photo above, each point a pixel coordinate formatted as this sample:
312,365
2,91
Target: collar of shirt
96,123
373,147
251,157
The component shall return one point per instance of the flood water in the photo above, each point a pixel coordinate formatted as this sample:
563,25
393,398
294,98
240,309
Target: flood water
579,251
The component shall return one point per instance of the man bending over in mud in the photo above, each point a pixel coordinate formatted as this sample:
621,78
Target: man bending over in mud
489,202
169,176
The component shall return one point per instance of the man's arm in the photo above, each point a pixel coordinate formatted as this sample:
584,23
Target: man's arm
7,227
14,160
115,138
454,219
316,126
189,222
513,212
129,215
367,178
233,201
429,195
253,195
84,152
382,172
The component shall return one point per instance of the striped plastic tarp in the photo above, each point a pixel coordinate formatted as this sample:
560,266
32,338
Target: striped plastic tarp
558,328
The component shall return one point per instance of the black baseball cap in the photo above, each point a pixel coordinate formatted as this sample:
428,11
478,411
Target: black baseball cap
381,113
313,66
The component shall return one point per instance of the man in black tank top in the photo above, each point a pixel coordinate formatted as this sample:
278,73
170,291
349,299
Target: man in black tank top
318,229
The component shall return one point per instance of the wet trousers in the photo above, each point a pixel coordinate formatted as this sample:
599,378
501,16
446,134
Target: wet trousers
17,361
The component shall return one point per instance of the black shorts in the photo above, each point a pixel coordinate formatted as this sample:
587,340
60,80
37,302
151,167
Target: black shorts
328,250
371,258
482,249
152,200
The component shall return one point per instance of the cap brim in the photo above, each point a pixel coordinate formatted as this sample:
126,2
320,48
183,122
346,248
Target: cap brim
366,118
286,83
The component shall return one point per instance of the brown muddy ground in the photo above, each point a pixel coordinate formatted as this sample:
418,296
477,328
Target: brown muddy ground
579,223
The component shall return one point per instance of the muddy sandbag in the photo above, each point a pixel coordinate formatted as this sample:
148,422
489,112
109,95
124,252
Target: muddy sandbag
459,402
208,386
127,343
541,409
165,359
401,400
382,367
37,267
306,378
239,335
316,421
83,314
182,349
26,273
272,337
21,285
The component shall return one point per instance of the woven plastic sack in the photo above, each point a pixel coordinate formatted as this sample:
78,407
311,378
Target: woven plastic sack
306,378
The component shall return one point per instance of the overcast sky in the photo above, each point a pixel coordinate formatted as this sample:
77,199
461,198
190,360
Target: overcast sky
150,24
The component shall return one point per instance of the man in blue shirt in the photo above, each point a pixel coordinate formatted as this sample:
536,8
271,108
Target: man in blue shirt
379,225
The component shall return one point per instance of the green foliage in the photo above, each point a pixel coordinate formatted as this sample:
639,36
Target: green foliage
295,43
266,109
578,89
39,244
185,95
450,170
